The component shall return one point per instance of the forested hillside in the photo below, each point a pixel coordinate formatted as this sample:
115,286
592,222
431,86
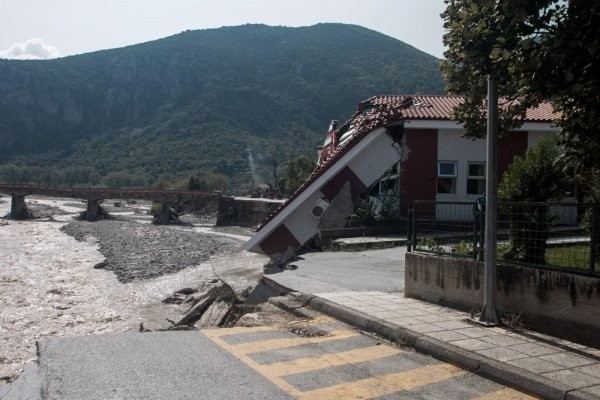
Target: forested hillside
220,101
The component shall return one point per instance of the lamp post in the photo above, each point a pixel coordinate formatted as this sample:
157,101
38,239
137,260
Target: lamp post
488,313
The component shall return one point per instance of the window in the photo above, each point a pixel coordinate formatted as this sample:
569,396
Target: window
446,181
476,178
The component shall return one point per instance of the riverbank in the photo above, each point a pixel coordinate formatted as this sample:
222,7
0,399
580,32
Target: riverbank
60,276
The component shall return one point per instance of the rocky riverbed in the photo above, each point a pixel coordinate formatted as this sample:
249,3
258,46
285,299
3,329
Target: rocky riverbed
62,276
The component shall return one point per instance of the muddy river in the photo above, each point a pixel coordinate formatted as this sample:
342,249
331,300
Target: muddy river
59,276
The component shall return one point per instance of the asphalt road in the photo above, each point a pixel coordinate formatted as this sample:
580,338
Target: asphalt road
320,358
154,365
376,270
326,359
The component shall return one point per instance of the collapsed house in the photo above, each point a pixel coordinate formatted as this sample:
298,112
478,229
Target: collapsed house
369,143
416,133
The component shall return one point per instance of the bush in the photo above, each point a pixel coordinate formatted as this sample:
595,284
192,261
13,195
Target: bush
462,248
430,244
539,176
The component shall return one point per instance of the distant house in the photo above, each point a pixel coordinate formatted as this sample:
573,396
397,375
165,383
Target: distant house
415,133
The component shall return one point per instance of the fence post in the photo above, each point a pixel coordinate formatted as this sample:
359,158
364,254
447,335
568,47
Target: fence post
593,239
482,237
411,212
414,227
475,249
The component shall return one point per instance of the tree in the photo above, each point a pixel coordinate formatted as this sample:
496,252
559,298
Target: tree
535,50
296,171
123,179
530,181
193,183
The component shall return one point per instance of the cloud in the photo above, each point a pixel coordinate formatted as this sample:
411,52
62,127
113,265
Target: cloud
33,49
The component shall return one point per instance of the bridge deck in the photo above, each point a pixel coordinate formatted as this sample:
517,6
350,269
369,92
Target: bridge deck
102,193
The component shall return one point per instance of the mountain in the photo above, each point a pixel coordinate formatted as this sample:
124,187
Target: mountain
220,100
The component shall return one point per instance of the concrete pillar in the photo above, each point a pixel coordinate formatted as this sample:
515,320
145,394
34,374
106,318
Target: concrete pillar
17,207
165,213
93,208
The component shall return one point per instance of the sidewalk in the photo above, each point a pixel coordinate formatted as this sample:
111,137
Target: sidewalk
542,365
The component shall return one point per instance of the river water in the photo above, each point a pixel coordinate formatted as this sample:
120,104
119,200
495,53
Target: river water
48,286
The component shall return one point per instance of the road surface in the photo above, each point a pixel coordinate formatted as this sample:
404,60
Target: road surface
319,358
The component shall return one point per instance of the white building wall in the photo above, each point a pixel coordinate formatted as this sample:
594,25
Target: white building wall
534,137
453,147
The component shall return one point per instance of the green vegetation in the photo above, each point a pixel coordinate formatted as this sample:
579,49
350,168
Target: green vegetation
208,182
295,172
539,176
535,50
462,248
428,243
199,102
576,257
364,213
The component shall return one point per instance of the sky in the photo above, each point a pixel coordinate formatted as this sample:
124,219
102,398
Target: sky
57,28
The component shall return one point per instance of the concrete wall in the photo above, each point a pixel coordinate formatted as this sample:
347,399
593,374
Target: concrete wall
247,212
557,303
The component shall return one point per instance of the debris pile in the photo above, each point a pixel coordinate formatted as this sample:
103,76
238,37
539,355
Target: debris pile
219,306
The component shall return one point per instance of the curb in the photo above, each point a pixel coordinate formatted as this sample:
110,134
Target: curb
292,306
283,290
486,367
495,370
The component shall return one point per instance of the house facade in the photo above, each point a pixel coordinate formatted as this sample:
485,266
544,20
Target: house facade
440,164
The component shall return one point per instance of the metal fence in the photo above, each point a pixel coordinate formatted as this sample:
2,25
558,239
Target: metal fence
559,236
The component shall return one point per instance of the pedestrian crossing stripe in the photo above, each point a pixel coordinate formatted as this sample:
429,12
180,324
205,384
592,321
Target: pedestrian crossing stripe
270,328
215,336
385,384
274,344
366,388
354,356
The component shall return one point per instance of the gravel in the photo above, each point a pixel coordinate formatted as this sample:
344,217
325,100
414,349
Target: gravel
136,251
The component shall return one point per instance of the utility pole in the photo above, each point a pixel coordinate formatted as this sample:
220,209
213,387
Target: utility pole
488,313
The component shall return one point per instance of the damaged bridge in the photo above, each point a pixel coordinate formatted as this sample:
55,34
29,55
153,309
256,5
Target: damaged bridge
371,142
93,196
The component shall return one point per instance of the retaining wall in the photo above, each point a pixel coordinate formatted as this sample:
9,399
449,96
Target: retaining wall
246,212
558,303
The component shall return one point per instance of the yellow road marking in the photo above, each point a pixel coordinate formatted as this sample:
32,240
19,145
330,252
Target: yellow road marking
331,360
264,370
243,329
360,389
240,329
385,384
321,319
506,394
274,344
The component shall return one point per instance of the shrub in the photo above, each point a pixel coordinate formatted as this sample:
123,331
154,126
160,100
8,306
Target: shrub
430,244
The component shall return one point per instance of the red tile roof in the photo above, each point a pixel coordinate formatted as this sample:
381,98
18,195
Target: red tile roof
440,108
381,111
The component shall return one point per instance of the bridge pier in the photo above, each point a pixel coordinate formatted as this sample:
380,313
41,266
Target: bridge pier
18,209
165,213
93,210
